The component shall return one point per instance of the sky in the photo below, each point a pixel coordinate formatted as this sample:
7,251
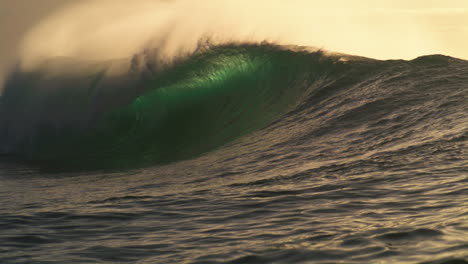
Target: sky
31,30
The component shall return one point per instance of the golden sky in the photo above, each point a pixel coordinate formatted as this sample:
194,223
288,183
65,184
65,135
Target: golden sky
103,29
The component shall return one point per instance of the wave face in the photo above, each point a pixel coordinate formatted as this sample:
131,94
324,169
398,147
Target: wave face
124,114
90,118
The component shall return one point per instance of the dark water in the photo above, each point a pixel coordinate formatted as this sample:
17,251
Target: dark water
239,154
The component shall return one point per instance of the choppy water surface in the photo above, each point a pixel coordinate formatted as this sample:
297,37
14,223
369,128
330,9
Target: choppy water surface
361,162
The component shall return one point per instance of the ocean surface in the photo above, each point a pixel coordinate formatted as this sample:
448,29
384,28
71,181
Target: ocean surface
239,153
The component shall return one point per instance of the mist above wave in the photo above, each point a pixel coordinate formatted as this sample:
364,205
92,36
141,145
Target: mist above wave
117,29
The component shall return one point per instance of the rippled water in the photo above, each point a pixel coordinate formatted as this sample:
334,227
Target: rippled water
368,168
